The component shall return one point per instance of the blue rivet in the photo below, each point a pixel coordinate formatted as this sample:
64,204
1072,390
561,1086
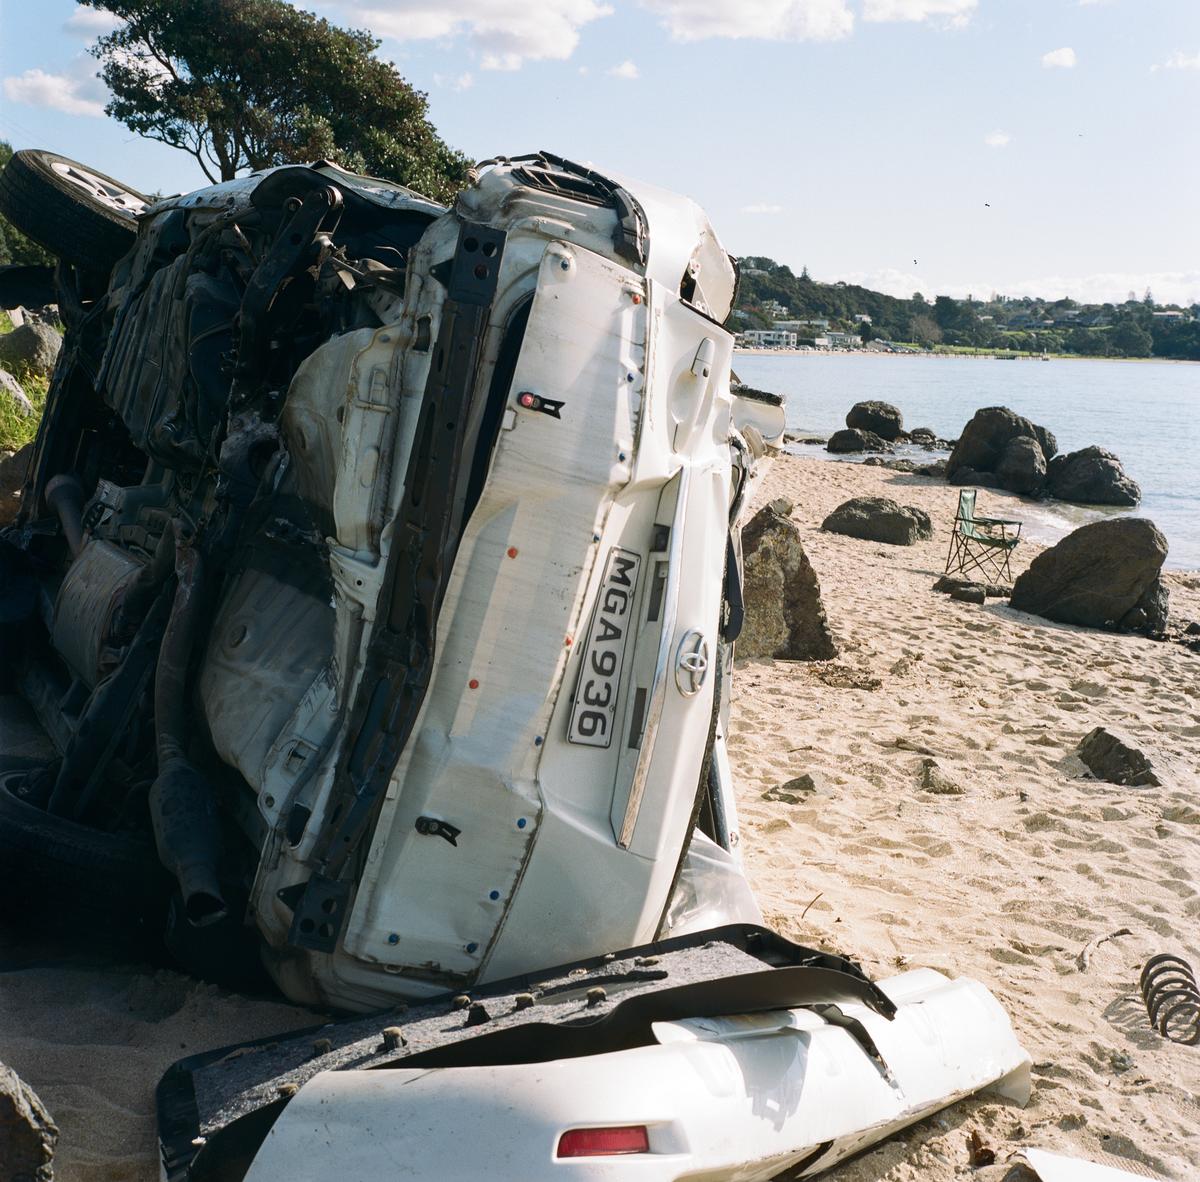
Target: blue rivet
629,377
565,264
538,741
522,823
393,939
595,537
621,456
472,946
493,895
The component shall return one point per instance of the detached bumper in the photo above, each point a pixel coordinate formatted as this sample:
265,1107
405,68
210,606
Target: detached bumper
734,1097
726,1054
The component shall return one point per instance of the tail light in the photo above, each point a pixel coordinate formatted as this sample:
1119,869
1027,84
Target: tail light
604,1142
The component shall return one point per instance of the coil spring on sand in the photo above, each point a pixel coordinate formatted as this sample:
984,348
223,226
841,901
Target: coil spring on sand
1172,998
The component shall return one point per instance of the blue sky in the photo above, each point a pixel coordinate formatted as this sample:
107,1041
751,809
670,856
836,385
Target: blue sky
1021,146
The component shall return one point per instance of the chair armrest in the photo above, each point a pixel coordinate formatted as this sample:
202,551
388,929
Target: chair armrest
996,521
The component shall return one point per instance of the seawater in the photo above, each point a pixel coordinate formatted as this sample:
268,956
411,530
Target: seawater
1147,412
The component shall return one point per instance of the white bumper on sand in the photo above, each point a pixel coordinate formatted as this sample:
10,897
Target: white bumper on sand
724,1098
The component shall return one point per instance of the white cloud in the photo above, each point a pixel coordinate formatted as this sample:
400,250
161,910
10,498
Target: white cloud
1179,61
58,92
1063,59
91,22
1169,287
997,139
461,82
626,70
505,33
768,20
761,207
956,12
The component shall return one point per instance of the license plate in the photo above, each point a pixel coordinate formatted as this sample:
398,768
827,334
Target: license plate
593,715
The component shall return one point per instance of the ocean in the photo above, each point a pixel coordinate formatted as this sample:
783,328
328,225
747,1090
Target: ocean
1147,412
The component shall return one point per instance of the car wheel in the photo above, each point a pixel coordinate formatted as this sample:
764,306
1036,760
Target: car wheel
51,867
83,216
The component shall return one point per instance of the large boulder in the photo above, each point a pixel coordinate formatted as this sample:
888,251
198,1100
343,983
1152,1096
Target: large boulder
784,614
12,393
851,439
984,439
27,1132
1096,575
32,348
1022,465
879,519
879,418
1091,476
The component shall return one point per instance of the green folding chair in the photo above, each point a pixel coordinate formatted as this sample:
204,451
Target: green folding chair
981,544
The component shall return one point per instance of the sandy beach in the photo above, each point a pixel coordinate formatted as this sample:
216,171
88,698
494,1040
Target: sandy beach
1006,882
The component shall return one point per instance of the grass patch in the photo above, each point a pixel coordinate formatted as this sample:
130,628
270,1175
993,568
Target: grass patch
15,429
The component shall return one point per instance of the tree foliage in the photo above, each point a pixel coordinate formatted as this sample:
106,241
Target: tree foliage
1131,329
247,84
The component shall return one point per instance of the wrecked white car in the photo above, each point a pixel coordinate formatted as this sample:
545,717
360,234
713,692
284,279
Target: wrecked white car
372,603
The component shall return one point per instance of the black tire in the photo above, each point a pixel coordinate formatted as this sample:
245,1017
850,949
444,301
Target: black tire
53,200
54,868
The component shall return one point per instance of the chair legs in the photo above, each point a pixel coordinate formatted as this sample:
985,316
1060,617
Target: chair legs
993,564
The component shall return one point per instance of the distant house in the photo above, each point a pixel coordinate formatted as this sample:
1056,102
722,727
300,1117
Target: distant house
844,340
768,338
1169,314
803,327
862,318
775,309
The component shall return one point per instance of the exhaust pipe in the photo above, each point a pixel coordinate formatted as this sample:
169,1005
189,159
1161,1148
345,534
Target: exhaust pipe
182,807
64,494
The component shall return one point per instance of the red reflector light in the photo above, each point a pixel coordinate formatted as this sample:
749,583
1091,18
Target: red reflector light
604,1142
529,401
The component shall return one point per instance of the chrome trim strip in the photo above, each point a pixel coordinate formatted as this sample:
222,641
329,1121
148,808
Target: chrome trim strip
666,645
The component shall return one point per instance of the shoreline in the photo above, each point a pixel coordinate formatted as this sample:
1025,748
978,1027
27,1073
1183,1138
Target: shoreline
752,352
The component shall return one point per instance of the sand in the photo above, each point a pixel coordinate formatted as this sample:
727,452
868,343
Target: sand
1006,882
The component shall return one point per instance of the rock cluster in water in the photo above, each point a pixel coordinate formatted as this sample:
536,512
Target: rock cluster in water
1000,449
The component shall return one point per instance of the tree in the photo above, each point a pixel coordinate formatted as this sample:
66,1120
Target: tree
1131,340
925,330
15,248
247,84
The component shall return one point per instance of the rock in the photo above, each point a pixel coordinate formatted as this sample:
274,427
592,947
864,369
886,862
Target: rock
794,791
923,436
879,418
32,348
900,465
1112,756
934,780
852,439
1193,629
1022,465
973,477
13,468
983,440
815,441
1149,614
782,506
1047,440
1091,476
879,519
969,594
784,614
27,1132
936,469
1096,575
11,389
947,584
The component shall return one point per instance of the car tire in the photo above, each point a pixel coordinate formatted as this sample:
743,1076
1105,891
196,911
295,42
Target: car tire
86,218
51,867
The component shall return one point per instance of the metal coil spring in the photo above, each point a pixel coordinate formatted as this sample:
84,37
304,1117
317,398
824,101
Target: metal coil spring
1172,998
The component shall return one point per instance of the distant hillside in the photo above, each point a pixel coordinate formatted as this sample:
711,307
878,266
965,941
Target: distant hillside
770,293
